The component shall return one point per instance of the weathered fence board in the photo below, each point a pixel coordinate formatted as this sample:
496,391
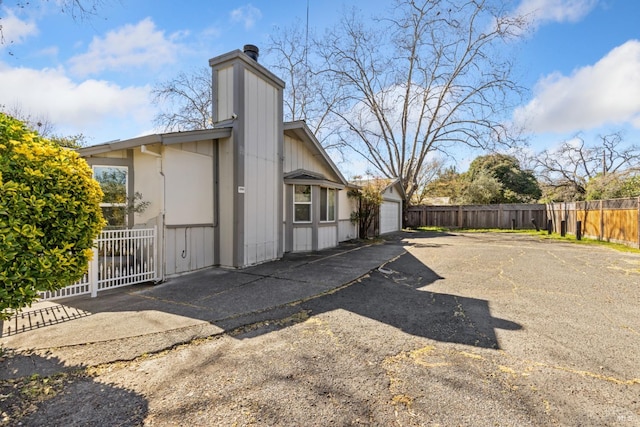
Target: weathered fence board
616,220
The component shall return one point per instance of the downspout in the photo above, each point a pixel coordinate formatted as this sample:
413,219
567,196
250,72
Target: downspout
216,204
143,149
162,215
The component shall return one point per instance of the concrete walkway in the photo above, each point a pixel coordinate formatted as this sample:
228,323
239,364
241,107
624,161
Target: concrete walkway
128,322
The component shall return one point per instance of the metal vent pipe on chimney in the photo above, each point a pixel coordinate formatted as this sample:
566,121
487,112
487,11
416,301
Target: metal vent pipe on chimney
252,51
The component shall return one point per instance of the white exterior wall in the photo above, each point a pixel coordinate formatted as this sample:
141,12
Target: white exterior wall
302,239
347,230
188,187
297,156
226,202
327,237
189,175
224,91
148,182
262,180
188,249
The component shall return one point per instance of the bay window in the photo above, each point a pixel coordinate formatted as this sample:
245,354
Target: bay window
302,203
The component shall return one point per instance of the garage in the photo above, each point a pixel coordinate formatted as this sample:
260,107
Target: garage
389,216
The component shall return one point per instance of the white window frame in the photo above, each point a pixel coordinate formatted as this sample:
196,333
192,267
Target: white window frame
309,203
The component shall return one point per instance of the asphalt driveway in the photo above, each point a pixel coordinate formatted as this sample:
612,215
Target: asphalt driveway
457,329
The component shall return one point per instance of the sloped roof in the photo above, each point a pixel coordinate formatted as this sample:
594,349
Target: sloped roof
163,138
302,176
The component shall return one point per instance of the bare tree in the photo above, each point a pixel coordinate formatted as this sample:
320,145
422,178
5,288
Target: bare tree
79,10
565,171
427,77
185,101
37,122
44,127
308,95
430,171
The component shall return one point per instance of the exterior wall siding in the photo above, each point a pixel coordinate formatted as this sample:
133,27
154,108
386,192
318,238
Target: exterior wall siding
189,187
297,156
188,249
262,180
226,203
302,239
224,91
327,236
346,205
148,183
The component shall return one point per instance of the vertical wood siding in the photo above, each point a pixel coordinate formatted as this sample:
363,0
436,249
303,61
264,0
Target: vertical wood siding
224,91
262,180
188,249
327,237
302,239
297,156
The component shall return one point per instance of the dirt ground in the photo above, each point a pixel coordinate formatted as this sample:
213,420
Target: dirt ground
465,329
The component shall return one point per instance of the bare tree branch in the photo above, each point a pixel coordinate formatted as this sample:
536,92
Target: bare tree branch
425,78
184,101
566,170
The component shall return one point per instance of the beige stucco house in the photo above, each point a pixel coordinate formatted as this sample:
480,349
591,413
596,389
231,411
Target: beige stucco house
244,192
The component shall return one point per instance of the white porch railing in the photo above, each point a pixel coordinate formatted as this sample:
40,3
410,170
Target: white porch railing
120,258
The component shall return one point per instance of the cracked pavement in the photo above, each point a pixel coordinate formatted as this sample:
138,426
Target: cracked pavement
460,329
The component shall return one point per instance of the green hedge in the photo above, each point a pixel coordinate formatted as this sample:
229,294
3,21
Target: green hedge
49,215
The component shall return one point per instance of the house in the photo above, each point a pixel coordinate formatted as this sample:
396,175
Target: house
244,192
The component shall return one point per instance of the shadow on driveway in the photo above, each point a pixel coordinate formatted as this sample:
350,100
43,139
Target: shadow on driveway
253,301
396,295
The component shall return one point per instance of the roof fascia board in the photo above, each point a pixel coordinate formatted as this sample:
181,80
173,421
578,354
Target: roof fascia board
120,145
320,182
196,135
165,139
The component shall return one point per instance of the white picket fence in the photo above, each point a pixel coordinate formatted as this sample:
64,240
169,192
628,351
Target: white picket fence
120,258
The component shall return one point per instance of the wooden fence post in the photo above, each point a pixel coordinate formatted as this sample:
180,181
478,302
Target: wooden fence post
601,234
638,222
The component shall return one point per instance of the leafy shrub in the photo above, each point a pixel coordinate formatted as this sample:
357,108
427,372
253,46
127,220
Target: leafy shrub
49,215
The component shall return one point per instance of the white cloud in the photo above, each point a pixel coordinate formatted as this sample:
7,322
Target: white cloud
603,93
80,106
14,29
542,11
139,45
247,15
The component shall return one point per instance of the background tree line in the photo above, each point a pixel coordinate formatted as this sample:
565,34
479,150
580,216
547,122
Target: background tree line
573,171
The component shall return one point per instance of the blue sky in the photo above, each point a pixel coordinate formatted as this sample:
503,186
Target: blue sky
581,61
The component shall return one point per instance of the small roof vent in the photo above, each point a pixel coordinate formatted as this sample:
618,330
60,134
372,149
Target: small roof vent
252,51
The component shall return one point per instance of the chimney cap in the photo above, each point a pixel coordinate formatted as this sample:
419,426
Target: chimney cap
252,51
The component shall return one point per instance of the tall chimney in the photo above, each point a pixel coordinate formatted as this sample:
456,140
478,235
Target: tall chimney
252,51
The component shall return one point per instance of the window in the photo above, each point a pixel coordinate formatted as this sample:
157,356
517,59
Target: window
327,204
113,181
301,203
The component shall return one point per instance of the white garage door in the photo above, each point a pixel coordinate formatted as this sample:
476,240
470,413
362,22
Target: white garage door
389,217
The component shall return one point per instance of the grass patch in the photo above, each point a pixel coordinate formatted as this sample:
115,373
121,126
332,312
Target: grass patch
541,234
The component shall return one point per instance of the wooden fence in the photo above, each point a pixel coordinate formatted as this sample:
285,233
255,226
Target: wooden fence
615,220
518,216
